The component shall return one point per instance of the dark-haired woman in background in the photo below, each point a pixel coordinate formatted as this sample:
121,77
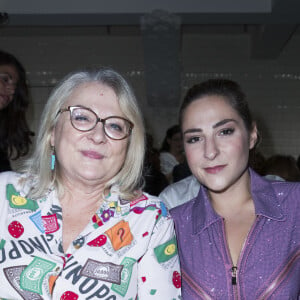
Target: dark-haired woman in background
15,135
240,237
171,152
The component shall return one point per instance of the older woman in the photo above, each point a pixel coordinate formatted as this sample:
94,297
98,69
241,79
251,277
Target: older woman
77,226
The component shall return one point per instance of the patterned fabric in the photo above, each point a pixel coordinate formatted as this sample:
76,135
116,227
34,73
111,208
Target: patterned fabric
269,263
127,251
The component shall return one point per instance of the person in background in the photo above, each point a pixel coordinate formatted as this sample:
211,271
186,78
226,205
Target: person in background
75,223
180,192
181,171
239,238
15,135
171,152
155,180
282,167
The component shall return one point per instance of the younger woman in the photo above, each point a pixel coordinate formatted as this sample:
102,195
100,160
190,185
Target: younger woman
240,237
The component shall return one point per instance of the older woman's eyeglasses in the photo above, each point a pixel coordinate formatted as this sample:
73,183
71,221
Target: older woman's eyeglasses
84,119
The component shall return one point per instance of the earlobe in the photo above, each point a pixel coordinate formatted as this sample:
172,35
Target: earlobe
52,138
253,137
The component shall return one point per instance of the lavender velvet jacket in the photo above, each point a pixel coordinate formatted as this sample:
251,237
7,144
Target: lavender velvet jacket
269,263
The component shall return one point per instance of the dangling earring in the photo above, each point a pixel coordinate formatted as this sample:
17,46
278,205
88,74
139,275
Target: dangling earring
53,160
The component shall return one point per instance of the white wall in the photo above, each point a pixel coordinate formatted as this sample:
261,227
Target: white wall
272,86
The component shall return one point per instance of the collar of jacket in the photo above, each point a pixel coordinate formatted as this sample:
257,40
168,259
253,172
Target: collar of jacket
266,201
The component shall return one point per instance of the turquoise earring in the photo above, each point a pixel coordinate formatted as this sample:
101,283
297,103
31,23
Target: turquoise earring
53,160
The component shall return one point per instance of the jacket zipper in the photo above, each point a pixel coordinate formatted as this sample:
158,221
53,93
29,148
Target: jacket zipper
233,275
234,269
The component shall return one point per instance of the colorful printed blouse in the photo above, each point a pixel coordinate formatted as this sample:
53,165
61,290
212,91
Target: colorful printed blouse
127,251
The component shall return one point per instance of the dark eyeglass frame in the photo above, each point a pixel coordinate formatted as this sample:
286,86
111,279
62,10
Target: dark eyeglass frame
71,108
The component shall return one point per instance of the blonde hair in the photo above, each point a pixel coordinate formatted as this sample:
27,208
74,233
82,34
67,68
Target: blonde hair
129,178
